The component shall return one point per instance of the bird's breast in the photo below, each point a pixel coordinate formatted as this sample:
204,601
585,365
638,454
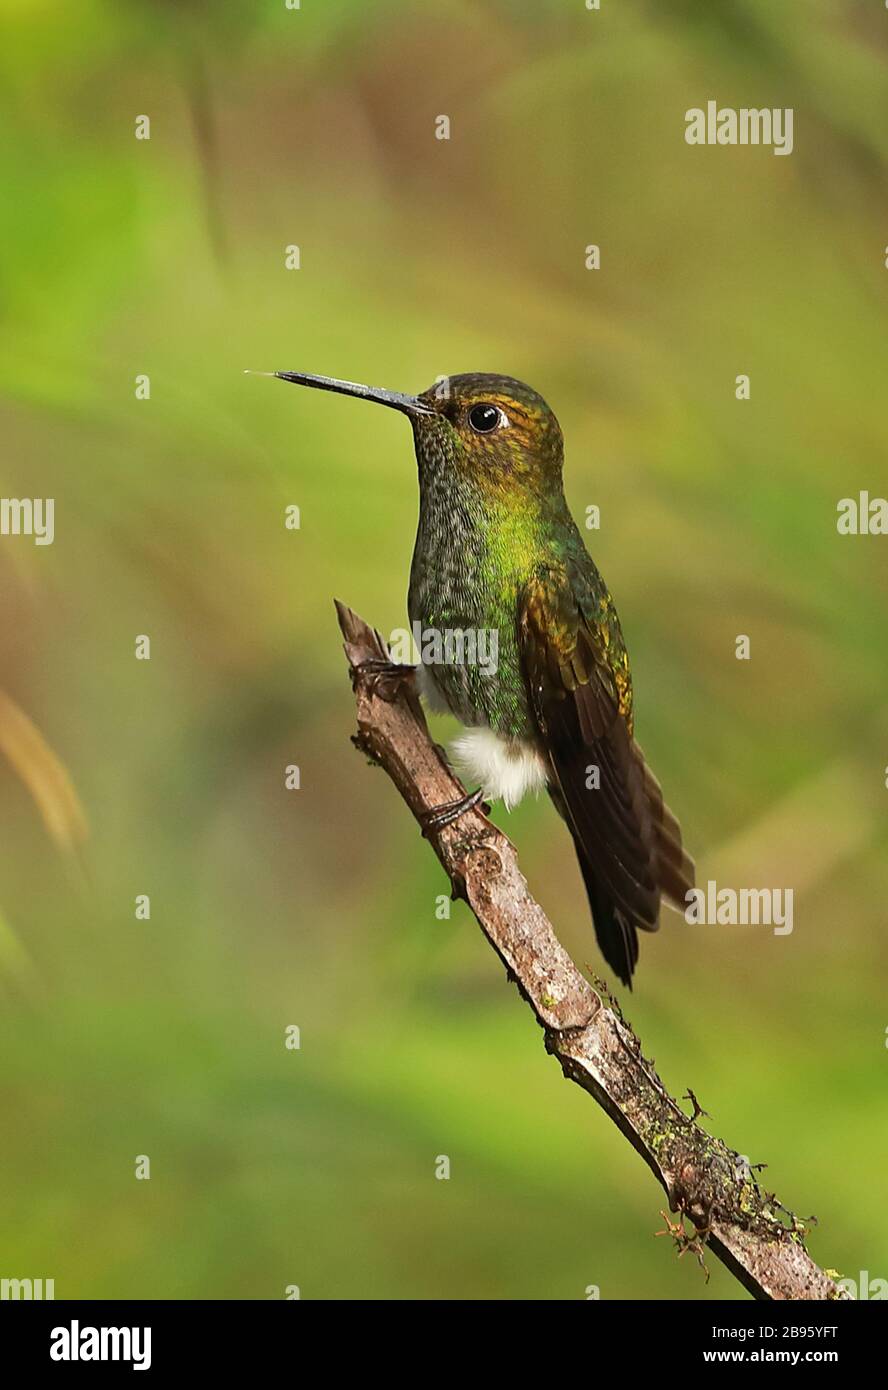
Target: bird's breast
463,618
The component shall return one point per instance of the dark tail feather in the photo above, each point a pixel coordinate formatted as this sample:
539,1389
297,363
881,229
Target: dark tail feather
615,929
616,935
675,867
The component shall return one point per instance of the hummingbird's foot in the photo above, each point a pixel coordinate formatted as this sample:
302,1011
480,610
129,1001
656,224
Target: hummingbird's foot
439,816
384,677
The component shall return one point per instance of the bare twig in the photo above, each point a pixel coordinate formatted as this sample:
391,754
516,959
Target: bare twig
758,1239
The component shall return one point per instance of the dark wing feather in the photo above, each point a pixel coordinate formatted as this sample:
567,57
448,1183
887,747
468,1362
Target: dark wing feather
627,841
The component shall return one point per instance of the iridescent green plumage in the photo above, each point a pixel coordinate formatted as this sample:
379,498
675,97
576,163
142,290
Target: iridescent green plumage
498,551
493,518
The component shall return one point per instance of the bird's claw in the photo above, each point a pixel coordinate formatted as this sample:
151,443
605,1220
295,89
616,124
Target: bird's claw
438,817
384,677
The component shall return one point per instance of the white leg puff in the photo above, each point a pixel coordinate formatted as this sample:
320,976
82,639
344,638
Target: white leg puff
506,768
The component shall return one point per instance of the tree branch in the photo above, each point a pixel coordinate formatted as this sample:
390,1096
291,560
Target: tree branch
758,1239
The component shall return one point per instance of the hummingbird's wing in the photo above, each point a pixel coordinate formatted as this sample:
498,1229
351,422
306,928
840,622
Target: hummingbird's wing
577,679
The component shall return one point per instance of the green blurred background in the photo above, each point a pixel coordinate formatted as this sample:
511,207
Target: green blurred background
315,127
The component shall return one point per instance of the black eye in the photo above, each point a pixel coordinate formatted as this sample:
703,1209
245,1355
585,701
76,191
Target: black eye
484,418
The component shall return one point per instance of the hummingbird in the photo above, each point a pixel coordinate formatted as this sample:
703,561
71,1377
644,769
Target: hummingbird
497,551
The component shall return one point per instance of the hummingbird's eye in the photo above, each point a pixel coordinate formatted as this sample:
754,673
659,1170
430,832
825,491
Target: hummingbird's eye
484,418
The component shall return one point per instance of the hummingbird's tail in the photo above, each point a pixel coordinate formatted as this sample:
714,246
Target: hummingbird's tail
577,684
616,929
615,933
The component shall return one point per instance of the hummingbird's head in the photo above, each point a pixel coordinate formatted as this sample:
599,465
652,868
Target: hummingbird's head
492,429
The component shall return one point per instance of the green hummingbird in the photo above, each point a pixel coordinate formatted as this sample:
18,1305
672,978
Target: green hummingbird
498,553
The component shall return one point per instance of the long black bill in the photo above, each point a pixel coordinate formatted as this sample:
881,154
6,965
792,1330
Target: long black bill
409,405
